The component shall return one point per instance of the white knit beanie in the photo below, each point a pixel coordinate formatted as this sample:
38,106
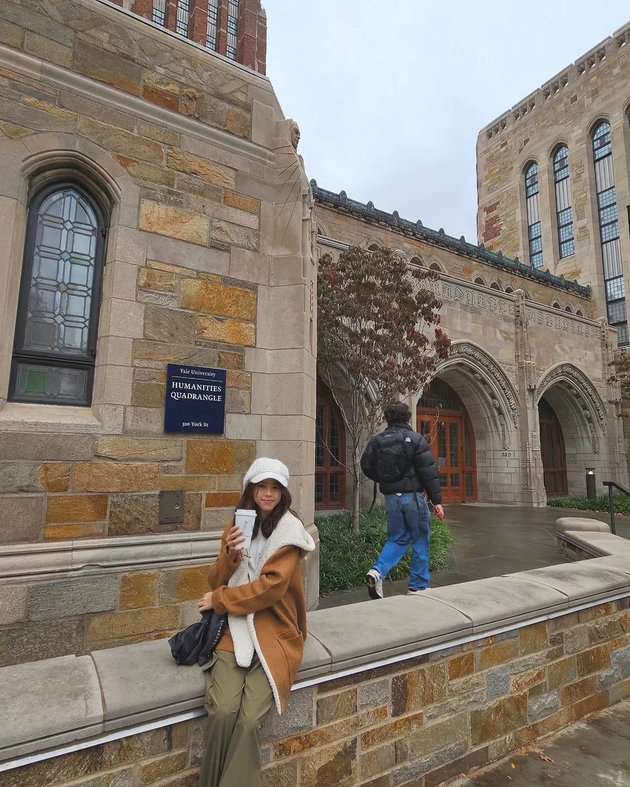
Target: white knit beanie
263,468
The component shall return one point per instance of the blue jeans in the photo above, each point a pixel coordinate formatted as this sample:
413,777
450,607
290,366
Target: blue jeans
408,524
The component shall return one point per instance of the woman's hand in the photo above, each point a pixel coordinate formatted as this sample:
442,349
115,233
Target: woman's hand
205,603
235,541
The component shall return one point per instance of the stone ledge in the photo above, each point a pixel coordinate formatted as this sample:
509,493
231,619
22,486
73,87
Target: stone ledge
577,523
49,703
140,683
600,579
28,562
597,544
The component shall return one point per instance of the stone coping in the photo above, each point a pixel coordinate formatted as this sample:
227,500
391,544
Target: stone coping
597,543
73,699
94,555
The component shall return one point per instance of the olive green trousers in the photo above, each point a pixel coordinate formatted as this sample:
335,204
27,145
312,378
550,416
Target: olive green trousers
237,701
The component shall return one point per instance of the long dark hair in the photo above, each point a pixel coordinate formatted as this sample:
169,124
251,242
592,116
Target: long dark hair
269,522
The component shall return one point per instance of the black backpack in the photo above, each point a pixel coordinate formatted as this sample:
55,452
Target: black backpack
394,455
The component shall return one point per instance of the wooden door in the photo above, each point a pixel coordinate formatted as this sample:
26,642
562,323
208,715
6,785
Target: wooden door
330,453
552,451
446,438
442,418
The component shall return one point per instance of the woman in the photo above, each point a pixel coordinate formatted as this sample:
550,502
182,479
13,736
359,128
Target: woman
258,657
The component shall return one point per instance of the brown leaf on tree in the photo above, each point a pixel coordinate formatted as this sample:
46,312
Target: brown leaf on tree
378,337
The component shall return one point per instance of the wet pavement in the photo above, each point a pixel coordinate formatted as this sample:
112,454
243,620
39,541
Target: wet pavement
490,540
494,540
592,753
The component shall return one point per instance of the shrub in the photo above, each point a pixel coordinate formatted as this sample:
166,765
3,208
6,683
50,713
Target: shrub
621,503
345,556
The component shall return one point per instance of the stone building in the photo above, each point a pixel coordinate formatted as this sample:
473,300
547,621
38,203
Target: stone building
153,210
528,399
236,29
523,407
554,177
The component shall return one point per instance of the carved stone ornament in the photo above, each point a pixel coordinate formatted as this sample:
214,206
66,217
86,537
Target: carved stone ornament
476,357
295,134
594,437
580,386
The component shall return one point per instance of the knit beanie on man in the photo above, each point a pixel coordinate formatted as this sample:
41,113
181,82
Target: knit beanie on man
263,468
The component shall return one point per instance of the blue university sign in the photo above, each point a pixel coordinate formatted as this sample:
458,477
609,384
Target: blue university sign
195,399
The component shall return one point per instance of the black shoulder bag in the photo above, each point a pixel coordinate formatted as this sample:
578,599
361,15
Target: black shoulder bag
196,643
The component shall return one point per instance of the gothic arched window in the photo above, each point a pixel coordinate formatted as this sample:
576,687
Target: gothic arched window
534,231
564,211
609,230
56,327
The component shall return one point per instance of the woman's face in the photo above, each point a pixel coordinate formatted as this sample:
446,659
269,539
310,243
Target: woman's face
267,495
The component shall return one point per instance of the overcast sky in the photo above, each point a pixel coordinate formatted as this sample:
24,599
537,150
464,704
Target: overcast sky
390,96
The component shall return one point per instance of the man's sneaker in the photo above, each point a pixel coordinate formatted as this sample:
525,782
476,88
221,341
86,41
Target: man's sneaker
418,592
374,583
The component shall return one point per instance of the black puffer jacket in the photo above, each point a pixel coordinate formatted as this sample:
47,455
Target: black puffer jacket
422,474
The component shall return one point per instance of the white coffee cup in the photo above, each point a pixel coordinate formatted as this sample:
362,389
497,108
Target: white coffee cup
244,519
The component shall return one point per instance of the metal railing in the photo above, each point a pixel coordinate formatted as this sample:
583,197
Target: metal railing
611,501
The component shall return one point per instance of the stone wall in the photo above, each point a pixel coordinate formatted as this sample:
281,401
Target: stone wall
208,262
345,228
76,597
516,336
49,610
435,685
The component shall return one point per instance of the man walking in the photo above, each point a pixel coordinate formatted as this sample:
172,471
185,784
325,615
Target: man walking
400,460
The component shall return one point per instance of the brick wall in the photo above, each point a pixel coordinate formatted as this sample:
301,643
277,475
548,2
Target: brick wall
252,27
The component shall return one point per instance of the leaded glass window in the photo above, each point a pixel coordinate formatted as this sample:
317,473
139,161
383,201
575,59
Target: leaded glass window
534,229
213,24
55,337
183,13
564,211
159,12
232,29
609,230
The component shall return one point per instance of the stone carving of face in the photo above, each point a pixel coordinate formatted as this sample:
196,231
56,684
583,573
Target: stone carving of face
295,135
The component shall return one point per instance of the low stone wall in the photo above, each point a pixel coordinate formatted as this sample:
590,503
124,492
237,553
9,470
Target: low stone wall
75,597
404,691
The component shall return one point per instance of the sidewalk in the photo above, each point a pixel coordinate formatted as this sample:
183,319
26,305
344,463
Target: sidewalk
592,752
490,541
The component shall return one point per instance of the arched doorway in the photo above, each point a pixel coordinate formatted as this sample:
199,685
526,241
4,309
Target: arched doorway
552,450
330,452
442,418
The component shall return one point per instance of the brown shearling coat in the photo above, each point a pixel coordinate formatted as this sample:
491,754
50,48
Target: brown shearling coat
273,605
